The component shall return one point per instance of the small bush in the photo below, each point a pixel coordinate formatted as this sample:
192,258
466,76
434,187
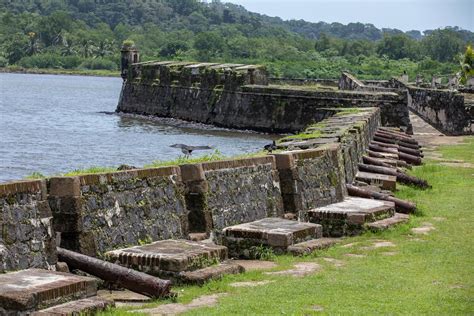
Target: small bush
49,60
99,63
41,61
3,61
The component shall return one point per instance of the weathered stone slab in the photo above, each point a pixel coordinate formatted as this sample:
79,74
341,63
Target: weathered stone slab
33,289
213,272
386,223
123,296
307,247
350,216
255,265
85,306
169,255
272,232
384,181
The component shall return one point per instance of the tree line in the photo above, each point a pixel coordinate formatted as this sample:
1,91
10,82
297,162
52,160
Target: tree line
87,34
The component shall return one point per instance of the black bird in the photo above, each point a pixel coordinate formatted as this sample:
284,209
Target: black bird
270,147
187,150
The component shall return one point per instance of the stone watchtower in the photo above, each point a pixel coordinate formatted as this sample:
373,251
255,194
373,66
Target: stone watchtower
130,55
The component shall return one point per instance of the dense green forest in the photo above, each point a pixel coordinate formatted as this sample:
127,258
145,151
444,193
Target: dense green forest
87,34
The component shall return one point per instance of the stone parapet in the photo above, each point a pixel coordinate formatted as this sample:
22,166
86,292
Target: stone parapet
98,212
311,178
27,238
443,109
257,106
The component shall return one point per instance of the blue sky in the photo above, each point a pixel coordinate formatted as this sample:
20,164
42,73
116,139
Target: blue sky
402,14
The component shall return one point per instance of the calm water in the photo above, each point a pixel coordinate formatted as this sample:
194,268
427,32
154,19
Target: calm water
53,124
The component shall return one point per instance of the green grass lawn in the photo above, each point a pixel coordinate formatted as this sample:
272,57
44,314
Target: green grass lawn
430,274
462,152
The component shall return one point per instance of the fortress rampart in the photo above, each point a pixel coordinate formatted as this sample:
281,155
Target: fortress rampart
239,96
96,213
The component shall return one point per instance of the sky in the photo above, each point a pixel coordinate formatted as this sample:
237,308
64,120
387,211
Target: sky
402,14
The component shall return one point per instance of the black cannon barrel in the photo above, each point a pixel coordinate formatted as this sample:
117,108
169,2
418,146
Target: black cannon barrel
402,177
128,278
394,141
405,139
402,206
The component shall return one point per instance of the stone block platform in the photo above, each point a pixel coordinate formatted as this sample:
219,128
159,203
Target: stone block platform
307,247
275,233
383,224
26,291
383,181
351,216
85,306
179,260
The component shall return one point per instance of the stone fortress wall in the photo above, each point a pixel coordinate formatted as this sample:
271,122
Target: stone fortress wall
450,111
239,96
27,235
96,213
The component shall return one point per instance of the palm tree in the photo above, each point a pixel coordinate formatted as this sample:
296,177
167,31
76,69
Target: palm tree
104,48
467,64
34,45
68,47
87,48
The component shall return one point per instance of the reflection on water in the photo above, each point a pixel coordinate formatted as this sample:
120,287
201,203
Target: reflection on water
53,124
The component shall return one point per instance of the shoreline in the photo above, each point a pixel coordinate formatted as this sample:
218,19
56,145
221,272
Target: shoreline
66,72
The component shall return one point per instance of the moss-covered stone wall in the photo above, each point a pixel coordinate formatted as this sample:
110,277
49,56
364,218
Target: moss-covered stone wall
27,237
444,109
239,97
242,191
311,178
100,212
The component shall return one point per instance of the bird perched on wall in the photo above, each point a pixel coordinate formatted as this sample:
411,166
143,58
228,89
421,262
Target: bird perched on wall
270,147
187,149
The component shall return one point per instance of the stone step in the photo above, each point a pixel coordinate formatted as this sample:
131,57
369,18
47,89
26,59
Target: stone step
386,223
348,218
85,306
383,181
307,247
167,258
33,289
210,273
271,232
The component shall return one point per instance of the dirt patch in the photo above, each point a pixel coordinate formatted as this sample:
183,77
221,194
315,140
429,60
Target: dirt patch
423,230
417,239
350,245
337,263
250,283
317,308
457,164
300,269
379,244
390,253
255,265
354,255
123,296
439,219
178,308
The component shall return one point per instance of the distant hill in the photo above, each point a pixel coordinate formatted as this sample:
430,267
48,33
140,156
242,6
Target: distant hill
175,14
87,34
